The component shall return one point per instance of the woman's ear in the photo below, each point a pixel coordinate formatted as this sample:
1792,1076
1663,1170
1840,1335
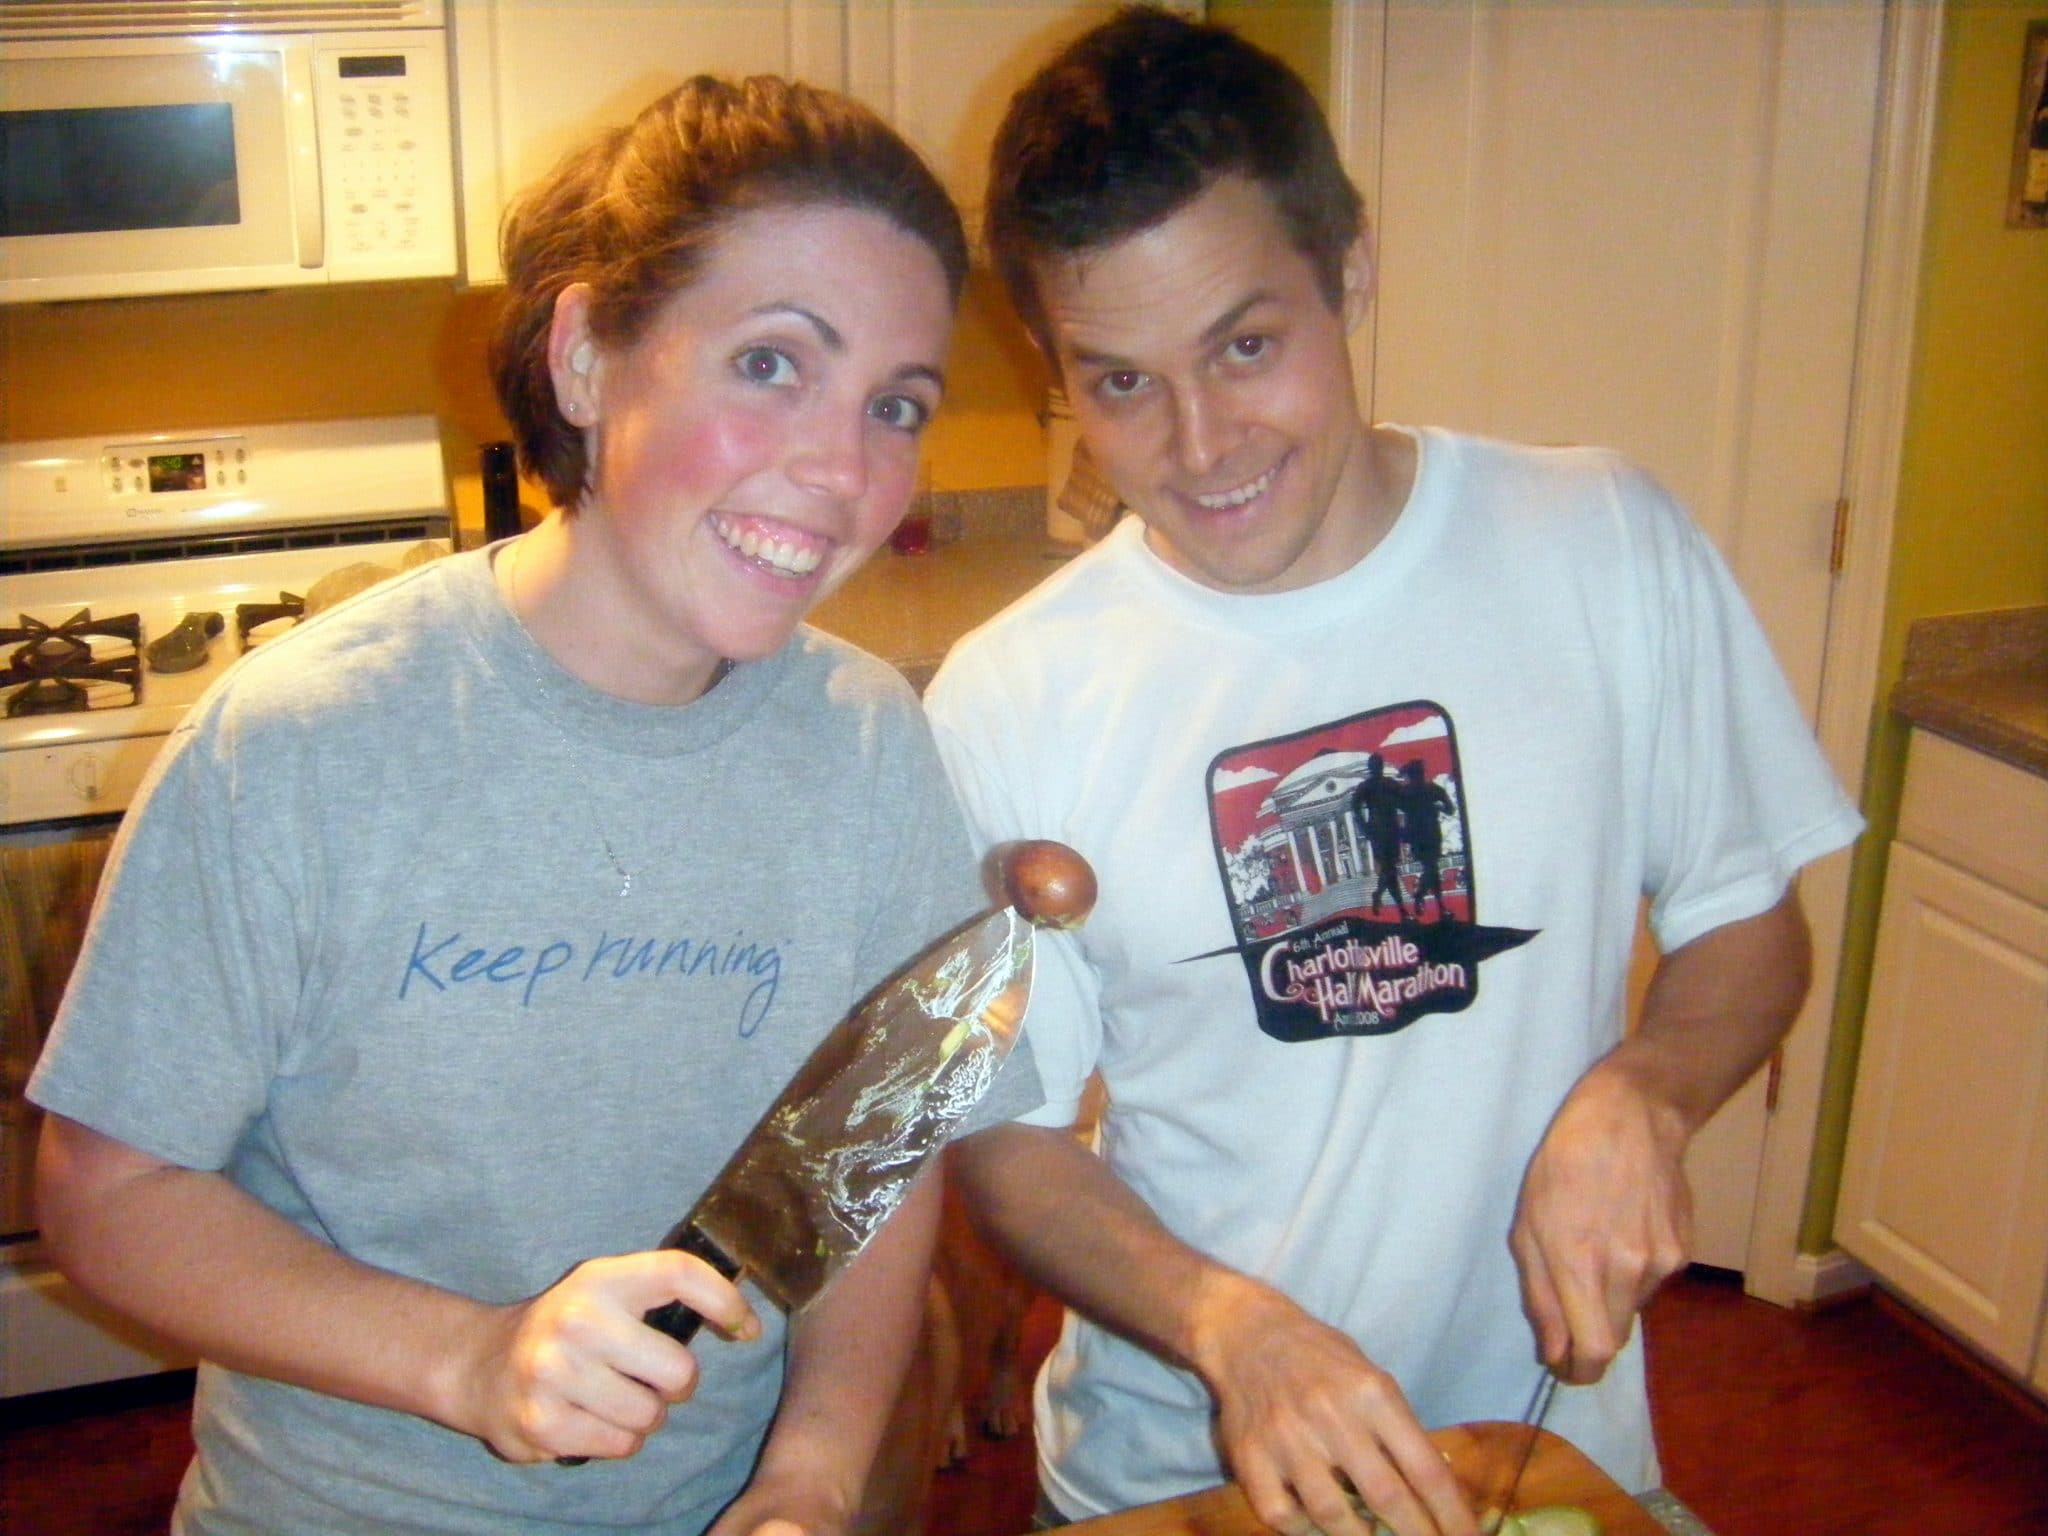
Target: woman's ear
573,358
1361,273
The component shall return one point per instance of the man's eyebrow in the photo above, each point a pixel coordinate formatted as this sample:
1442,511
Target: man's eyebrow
1215,331
1221,327
1108,361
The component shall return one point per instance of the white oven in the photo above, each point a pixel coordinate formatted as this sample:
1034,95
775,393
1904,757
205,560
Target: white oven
176,146
134,569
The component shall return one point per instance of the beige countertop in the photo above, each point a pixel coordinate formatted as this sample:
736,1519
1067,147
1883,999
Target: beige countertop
1981,679
909,609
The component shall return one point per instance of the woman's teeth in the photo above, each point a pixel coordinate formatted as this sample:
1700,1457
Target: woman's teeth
1223,501
783,555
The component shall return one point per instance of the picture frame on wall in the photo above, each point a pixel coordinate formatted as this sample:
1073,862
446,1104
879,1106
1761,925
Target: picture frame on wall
2027,207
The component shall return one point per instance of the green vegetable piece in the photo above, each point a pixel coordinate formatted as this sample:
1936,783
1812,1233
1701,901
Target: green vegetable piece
1552,1520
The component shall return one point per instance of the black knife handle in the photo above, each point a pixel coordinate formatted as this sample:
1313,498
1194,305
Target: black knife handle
673,1318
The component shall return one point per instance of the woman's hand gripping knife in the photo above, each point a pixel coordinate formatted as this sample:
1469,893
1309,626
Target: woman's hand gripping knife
576,1372
571,1371
1303,1416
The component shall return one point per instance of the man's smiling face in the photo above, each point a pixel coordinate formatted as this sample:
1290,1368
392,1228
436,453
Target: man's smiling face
1211,379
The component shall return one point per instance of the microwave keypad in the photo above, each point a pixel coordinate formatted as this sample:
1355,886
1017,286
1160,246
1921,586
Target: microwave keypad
380,170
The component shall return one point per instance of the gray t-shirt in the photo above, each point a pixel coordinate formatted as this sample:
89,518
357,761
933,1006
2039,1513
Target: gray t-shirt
361,946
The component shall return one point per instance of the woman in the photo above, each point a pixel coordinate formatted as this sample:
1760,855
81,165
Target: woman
465,931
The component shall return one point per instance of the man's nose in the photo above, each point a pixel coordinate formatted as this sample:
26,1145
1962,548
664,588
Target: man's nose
1203,427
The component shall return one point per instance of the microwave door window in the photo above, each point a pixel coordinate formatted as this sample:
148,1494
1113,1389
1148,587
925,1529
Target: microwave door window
162,165
93,169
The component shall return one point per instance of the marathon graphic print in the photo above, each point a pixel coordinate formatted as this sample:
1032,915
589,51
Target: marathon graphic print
1346,861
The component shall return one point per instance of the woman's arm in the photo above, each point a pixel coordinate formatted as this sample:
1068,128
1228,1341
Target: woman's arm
569,1372
848,1351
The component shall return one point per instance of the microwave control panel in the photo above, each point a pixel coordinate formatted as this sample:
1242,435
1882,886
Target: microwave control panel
385,153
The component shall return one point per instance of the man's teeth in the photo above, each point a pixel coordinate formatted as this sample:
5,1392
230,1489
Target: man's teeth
790,559
1222,501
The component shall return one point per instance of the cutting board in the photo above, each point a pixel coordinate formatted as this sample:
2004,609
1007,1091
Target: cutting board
1483,1456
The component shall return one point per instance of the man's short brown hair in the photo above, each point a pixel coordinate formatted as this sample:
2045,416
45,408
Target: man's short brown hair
1134,120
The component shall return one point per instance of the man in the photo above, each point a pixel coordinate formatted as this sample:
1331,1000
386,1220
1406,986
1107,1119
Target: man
1362,1170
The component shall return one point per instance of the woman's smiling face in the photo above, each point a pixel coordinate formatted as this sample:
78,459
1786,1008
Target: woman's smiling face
758,442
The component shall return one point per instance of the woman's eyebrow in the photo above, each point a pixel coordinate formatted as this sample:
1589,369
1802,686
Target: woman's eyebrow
828,333
930,375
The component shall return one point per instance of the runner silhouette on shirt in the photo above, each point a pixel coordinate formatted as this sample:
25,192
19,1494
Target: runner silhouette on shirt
1422,802
1377,802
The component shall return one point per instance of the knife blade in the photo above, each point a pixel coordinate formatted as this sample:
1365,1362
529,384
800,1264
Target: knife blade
867,1111
1532,1416
875,1101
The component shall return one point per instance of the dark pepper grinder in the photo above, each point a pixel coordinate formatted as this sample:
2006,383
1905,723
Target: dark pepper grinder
501,492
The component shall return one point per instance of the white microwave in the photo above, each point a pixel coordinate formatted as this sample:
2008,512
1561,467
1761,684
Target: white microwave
181,146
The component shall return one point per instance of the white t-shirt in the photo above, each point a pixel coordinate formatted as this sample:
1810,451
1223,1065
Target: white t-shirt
1370,857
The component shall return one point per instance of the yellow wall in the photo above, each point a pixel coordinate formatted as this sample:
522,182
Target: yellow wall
1297,30
1972,526
214,360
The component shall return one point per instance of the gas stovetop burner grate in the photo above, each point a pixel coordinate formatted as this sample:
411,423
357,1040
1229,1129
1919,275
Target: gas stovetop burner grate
250,617
52,664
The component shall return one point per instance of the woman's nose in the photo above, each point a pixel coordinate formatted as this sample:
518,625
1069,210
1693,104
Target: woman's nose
831,459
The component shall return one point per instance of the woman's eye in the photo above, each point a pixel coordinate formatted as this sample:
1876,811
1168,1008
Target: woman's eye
903,412
1250,348
1123,382
766,365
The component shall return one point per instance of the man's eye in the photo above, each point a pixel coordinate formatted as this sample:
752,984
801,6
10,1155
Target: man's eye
766,365
1125,381
1250,348
904,412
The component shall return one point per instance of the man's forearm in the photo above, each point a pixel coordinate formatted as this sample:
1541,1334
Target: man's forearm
1079,1231
1716,1009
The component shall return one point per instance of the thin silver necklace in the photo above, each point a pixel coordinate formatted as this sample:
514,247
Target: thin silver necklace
540,682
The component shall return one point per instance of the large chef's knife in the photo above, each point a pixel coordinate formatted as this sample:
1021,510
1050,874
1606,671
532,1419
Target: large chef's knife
839,1148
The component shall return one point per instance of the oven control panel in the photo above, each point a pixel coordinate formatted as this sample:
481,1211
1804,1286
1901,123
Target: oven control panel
158,469
70,779
210,482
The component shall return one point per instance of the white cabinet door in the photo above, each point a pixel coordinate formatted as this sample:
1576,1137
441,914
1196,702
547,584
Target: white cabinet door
1640,226
1945,1188
943,71
533,78
2041,1357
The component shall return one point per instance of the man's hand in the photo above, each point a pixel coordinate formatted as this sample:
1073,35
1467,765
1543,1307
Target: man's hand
574,1371
1604,1218
1302,1413
1605,1214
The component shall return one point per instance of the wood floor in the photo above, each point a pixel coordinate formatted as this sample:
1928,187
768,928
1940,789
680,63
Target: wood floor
1855,1421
